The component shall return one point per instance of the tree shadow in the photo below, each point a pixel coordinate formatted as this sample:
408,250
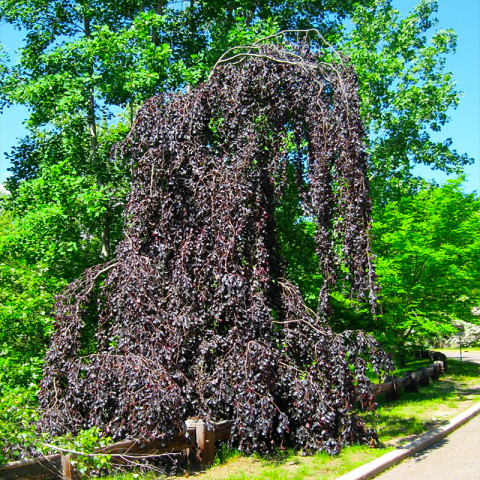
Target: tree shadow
393,420
407,428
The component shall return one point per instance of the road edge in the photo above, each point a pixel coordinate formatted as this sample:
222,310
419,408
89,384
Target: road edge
379,465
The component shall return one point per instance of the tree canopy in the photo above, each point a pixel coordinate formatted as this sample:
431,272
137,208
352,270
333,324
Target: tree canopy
406,93
195,317
82,64
428,263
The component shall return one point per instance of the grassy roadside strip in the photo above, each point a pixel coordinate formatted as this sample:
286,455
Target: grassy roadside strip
396,423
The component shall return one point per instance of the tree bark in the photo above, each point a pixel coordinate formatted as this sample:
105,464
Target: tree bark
159,7
105,249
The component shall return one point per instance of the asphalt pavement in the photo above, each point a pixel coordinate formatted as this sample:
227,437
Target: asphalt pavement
455,457
466,355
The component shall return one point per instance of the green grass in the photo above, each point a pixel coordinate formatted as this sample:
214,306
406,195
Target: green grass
431,407
396,422
225,454
296,467
135,476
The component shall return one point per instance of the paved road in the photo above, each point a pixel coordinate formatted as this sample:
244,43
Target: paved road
453,458
456,457
467,355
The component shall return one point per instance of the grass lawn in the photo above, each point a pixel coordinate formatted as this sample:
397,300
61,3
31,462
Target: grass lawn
396,423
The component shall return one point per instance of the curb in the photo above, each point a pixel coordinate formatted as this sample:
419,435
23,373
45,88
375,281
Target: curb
379,465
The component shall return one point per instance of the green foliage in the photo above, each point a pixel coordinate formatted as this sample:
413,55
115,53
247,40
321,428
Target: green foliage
18,415
84,451
26,298
49,219
57,219
406,93
297,243
109,49
428,264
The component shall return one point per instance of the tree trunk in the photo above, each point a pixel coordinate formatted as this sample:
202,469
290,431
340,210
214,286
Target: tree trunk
92,130
159,7
191,19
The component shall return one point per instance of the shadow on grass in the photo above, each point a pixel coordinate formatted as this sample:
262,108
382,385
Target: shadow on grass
412,414
469,369
277,458
395,426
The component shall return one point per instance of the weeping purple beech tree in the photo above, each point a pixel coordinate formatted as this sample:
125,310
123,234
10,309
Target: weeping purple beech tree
194,316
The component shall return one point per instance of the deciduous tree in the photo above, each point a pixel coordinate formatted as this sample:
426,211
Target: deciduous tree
406,93
428,264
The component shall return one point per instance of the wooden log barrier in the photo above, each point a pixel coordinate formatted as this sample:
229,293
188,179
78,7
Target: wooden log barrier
423,377
411,384
60,467
135,448
205,442
205,435
42,468
197,442
68,471
223,430
396,391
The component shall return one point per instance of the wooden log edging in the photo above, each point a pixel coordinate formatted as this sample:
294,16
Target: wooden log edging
197,442
409,382
41,468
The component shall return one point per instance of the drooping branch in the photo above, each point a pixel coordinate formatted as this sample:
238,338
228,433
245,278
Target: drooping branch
196,317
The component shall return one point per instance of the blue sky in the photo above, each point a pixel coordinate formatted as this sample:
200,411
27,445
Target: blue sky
464,128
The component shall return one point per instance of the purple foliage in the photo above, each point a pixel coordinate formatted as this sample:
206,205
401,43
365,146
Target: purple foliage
194,316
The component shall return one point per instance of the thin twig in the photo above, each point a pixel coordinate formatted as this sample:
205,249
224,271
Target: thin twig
224,59
106,269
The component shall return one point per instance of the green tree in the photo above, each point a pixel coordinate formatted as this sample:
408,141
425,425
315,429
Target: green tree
26,297
428,248
405,91
81,62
